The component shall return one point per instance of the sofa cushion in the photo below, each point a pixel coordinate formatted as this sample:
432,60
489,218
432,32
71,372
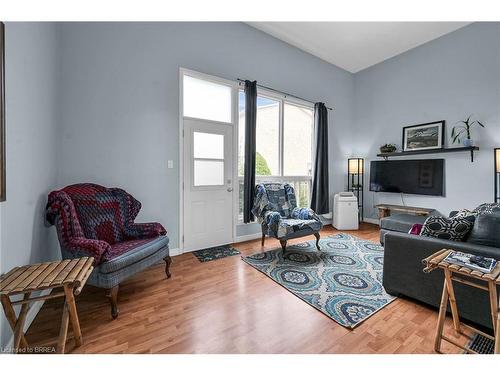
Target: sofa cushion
486,230
129,252
401,222
455,228
111,279
287,227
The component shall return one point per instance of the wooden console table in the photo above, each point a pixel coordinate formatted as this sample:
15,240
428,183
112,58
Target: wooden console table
454,272
384,210
69,275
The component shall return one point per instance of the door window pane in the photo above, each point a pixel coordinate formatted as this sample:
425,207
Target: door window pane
208,145
206,100
208,172
297,140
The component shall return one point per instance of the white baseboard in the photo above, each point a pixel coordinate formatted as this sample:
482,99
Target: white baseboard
30,316
371,221
248,237
175,252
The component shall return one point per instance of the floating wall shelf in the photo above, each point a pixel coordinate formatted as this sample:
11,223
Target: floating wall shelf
388,155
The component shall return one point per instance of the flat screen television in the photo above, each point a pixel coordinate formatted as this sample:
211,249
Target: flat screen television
425,177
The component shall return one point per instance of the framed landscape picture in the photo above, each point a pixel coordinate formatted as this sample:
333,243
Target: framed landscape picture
426,136
2,112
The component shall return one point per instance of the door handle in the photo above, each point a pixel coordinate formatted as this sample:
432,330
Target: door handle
229,189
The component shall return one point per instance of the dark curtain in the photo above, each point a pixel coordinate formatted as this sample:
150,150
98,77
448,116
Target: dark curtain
320,192
250,140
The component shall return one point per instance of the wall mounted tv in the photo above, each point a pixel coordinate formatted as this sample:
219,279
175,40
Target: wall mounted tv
425,177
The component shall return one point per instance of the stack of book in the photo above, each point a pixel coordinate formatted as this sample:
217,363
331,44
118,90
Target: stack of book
475,262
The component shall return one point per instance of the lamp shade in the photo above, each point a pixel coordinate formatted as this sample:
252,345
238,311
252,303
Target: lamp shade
355,166
497,160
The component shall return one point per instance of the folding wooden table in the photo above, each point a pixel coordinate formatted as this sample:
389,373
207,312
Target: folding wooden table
66,278
454,272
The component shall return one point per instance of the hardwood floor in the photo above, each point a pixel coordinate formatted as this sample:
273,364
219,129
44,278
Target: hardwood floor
226,306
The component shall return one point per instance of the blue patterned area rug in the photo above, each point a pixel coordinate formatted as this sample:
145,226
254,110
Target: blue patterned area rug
343,280
213,253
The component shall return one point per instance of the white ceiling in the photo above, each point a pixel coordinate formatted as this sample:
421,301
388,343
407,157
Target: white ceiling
355,46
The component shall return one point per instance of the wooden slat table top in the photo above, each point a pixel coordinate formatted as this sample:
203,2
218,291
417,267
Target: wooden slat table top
396,207
436,260
45,275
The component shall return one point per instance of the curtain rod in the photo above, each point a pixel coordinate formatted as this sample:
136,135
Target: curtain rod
283,93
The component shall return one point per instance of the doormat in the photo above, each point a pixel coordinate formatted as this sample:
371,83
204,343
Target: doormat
214,253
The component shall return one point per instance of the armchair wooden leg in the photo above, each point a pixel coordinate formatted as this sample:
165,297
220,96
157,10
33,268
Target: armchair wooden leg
168,262
263,239
112,295
317,240
283,244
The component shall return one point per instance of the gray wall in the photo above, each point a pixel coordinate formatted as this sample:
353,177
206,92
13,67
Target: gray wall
445,79
120,105
31,68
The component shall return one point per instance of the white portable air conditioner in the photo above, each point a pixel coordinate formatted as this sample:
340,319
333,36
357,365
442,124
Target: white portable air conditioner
345,211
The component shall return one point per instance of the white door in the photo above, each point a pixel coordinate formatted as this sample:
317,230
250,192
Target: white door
208,184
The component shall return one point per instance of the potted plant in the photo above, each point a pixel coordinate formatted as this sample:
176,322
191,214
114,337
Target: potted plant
387,148
465,129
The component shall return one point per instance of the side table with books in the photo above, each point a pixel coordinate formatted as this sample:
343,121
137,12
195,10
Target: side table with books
479,272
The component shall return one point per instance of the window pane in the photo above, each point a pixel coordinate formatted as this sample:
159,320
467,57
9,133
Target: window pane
297,140
206,100
208,145
268,133
241,133
267,147
208,173
241,190
302,192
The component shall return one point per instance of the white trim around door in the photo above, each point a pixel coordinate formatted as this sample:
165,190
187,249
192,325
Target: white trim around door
234,149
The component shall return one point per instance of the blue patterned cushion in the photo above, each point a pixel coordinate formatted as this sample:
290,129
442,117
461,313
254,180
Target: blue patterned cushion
277,198
290,226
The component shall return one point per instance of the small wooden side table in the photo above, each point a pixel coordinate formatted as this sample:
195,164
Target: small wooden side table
70,275
454,272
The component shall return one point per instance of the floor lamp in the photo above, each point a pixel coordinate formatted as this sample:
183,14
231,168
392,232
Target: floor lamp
355,170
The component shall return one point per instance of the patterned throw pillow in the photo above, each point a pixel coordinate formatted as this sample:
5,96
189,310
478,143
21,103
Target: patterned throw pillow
471,215
454,228
487,208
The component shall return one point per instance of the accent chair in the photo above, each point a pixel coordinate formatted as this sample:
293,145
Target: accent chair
275,208
92,220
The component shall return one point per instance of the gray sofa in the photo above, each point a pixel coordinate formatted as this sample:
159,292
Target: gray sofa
403,273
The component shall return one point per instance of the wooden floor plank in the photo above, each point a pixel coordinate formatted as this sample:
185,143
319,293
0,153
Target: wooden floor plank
226,306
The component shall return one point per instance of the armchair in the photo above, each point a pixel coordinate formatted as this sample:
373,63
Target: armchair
275,208
95,221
